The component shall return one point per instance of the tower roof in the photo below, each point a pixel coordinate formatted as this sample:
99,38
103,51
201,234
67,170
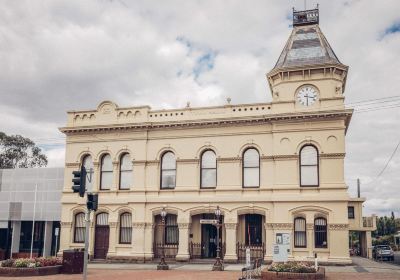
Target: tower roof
307,45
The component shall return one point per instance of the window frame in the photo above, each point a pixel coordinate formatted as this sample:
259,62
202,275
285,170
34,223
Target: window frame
253,221
244,167
352,212
317,165
121,171
303,231
321,232
102,172
175,228
207,168
121,227
161,170
83,228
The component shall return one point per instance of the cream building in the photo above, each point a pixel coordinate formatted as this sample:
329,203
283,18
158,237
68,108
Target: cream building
272,168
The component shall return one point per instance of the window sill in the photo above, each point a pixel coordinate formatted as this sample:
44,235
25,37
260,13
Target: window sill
129,245
298,249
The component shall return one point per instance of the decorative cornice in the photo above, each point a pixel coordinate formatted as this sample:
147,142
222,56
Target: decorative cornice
150,225
188,160
209,123
230,225
139,162
152,162
139,225
184,225
279,225
72,164
113,224
333,155
229,159
338,226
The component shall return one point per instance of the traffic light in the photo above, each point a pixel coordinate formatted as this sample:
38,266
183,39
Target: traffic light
92,201
79,181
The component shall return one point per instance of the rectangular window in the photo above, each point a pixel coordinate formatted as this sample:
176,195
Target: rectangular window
251,177
168,179
309,175
125,180
125,235
300,233
350,211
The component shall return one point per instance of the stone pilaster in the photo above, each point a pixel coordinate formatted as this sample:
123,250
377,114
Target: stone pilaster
230,240
138,237
113,240
148,241
183,251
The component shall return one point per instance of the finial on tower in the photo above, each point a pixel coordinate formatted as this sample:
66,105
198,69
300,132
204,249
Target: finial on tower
306,17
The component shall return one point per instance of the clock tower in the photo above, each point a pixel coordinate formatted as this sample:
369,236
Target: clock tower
308,75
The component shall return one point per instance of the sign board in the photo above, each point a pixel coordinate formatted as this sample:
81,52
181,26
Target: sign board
208,221
281,248
248,261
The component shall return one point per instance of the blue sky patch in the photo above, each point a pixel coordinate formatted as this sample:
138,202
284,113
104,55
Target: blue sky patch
393,28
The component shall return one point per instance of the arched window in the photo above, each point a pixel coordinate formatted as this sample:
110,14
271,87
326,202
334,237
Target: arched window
171,229
125,228
320,231
309,166
251,168
208,170
168,171
125,172
87,162
102,219
300,236
79,230
106,177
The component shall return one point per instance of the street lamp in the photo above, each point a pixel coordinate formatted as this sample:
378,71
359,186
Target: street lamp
163,265
218,266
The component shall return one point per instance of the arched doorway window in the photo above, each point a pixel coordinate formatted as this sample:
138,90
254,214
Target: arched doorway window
309,167
300,234
208,169
79,228
251,168
125,172
321,234
168,171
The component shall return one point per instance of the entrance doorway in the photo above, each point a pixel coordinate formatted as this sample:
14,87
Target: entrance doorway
208,241
101,239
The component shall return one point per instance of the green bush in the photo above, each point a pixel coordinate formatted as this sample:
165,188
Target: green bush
296,267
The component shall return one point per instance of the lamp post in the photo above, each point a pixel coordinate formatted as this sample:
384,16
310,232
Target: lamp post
218,266
163,265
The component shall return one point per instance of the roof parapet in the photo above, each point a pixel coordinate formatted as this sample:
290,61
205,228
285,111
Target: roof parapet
306,17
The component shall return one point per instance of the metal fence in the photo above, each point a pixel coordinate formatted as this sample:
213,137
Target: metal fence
195,250
170,250
256,251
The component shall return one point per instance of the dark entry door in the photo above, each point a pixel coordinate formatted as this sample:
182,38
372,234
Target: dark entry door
208,241
101,242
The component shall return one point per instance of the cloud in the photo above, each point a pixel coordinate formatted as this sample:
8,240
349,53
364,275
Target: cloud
62,55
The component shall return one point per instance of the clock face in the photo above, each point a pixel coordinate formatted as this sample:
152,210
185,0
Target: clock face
307,95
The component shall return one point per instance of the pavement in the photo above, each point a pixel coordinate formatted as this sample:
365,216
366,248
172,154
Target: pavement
361,269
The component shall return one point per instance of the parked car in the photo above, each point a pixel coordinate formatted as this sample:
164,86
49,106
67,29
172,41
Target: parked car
383,252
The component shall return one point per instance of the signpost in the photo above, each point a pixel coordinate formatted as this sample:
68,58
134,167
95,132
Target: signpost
208,221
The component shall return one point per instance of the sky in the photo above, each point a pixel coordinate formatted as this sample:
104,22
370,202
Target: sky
69,55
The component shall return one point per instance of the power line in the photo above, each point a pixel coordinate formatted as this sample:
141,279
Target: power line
386,165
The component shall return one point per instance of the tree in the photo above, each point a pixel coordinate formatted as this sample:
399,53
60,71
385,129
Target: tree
20,152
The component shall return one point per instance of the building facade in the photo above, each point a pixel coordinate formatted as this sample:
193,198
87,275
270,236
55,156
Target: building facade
30,210
272,168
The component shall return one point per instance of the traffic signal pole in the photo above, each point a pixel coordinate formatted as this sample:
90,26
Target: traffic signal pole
86,253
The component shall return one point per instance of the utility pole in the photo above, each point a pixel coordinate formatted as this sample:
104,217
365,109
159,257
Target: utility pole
85,257
358,188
